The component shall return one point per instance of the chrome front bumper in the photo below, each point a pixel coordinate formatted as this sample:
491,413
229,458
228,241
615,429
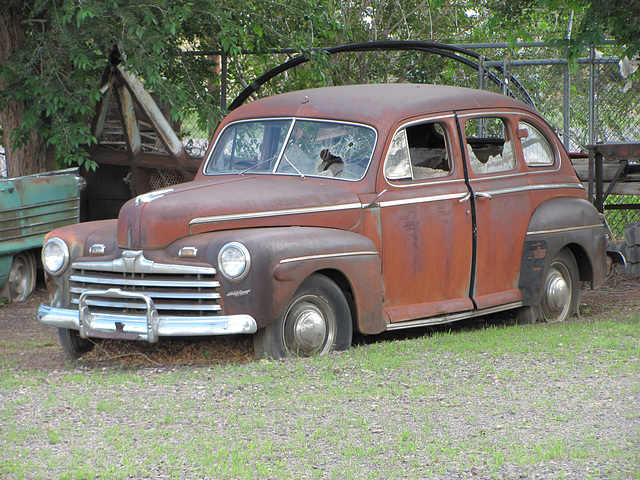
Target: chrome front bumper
138,327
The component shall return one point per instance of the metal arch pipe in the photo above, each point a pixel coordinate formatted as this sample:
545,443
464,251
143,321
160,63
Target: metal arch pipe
449,51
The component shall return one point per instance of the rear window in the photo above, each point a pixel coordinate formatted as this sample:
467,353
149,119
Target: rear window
536,148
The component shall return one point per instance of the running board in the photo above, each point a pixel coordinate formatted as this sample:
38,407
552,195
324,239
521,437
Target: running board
425,322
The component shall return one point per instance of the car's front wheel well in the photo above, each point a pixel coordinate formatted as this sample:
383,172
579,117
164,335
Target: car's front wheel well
343,283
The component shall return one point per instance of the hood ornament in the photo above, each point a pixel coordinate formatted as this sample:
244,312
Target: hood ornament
149,197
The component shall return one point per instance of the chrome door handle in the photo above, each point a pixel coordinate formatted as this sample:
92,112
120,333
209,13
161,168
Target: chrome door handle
481,194
466,197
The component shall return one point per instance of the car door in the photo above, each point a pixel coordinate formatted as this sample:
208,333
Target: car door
426,227
500,203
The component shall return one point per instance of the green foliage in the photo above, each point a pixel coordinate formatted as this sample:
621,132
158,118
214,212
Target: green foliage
57,70
572,25
60,66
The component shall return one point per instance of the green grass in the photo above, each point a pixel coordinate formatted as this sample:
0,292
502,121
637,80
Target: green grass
502,399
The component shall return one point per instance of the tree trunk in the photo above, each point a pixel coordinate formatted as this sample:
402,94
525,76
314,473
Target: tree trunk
33,156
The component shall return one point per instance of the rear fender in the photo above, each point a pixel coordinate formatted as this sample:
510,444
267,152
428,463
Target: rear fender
558,223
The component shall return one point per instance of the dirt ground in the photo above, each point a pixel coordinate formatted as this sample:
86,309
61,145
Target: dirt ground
25,343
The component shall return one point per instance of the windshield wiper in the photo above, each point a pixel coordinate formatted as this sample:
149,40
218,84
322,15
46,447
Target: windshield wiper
256,165
284,155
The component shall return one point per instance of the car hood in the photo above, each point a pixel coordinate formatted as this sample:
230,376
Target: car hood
157,218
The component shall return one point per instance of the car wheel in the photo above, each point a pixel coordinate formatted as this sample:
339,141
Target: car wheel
22,277
560,295
73,344
316,322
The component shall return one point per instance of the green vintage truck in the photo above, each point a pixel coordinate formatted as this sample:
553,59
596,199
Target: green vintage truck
30,207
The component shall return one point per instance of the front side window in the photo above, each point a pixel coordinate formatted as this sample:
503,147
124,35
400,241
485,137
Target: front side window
418,152
535,147
295,147
489,146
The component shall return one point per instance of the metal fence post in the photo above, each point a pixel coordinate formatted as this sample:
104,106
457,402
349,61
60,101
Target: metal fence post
566,139
592,96
223,81
505,75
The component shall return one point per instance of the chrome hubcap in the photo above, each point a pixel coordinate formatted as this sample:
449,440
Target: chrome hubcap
557,298
309,326
18,279
558,292
310,329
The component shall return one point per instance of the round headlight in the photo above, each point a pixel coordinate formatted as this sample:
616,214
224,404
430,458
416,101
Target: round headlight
55,256
234,261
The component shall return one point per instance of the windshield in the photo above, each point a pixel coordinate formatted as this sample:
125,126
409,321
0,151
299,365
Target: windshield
294,147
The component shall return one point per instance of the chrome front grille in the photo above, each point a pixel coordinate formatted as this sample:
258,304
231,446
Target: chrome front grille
179,294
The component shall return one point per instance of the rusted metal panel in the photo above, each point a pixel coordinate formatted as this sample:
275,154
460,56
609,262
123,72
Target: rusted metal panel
616,151
623,155
30,207
150,221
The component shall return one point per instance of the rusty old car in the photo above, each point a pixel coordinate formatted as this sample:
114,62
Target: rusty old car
324,212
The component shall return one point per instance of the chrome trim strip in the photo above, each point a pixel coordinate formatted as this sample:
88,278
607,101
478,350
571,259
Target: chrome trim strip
168,325
180,295
326,255
145,282
423,322
273,213
566,229
530,188
105,303
134,261
434,198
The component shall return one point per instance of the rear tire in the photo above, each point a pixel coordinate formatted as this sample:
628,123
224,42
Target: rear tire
316,321
73,344
560,295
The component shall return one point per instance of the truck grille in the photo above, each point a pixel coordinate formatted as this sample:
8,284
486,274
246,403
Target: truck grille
174,294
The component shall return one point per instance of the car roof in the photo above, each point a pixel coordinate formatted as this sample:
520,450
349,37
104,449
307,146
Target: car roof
380,105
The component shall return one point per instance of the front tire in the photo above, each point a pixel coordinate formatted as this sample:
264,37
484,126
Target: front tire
560,295
316,322
73,344
22,276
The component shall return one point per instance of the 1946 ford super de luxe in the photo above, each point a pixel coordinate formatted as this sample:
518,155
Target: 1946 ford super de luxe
322,212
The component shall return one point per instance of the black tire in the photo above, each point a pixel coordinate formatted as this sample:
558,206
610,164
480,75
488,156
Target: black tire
316,322
22,277
560,294
73,344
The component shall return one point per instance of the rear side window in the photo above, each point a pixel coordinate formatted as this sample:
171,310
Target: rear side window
536,148
489,146
418,152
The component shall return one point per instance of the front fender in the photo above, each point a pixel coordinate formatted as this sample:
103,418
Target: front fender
283,257
557,223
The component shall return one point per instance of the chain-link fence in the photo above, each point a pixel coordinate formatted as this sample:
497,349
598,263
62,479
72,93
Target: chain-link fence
588,104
